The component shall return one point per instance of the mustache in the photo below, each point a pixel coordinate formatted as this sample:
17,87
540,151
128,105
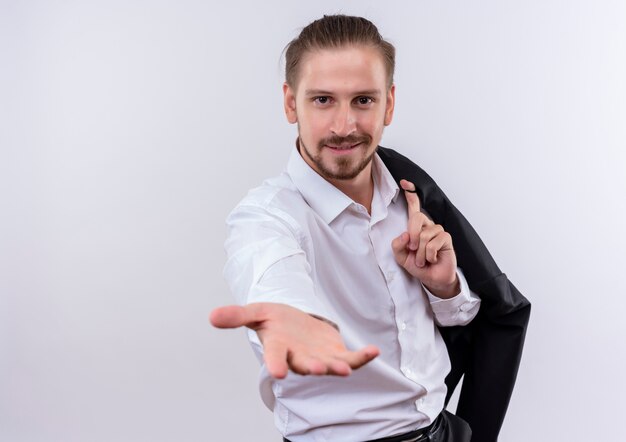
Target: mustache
353,139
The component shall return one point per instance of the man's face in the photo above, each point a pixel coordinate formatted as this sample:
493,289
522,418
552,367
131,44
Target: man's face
341,104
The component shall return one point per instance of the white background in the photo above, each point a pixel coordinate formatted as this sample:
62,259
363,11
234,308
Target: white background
129,129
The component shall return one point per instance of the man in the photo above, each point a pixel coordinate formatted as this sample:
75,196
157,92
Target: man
339,269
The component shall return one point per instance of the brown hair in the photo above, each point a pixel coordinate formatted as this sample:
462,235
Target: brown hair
336,31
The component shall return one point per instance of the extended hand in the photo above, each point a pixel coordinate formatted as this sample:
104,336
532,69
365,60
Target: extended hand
294,340
425,250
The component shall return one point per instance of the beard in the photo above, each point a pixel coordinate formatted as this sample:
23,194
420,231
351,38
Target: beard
342,168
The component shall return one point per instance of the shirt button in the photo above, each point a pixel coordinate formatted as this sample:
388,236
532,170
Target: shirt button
403,326
390,275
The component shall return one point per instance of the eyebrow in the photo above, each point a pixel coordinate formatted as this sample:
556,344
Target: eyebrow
371,92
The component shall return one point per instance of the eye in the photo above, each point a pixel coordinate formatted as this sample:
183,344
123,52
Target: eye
322,100
364,100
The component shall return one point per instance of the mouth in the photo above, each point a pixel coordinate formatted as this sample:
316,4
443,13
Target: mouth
343,148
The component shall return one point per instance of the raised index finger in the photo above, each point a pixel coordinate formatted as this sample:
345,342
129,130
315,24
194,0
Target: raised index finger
411,196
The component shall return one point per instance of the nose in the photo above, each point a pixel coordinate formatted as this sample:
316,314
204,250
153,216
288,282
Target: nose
344,121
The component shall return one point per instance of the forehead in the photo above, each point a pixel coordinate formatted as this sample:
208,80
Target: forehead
342,69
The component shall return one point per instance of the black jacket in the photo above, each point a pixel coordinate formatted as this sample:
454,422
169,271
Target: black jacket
489,349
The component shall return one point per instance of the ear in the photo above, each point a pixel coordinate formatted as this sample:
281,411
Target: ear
391,101
290,103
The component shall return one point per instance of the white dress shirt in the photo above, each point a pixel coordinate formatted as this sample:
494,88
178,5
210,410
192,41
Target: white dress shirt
298,240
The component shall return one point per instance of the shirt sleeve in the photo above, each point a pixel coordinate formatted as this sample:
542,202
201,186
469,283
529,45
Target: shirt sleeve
458,310
266,263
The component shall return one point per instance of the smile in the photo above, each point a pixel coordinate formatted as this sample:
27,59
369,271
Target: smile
344,148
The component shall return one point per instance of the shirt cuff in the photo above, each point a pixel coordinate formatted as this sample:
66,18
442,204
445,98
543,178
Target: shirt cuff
458,310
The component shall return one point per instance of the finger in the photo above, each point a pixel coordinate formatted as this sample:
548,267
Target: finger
399,247
316,367
412,199
233,316
441,242
305,364
415,226
339,368
426,236
336,366
275,357
356,359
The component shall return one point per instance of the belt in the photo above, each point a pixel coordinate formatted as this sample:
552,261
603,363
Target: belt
421,435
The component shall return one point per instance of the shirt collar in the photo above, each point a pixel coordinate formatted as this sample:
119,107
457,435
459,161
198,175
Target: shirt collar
324,198
386,184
